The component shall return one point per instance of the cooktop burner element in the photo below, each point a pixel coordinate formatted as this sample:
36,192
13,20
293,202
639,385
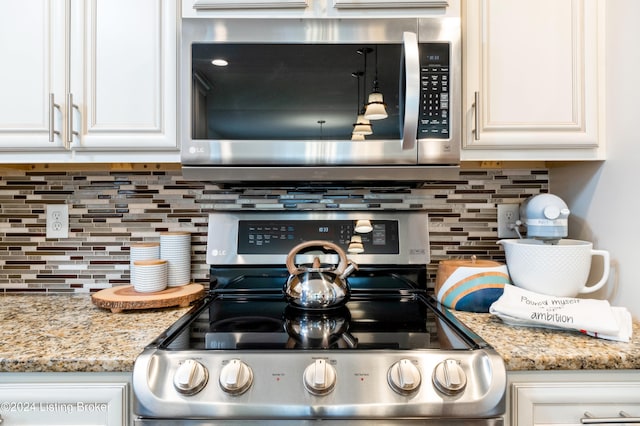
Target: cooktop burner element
390,352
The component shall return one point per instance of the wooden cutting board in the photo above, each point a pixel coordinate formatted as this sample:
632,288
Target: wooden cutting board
122,298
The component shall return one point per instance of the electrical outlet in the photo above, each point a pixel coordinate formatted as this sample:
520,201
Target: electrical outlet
57,221
508,214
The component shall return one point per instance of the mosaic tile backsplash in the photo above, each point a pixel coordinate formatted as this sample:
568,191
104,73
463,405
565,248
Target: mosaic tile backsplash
110,209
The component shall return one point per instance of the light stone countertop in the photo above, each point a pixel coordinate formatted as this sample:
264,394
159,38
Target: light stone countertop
68,333
529,348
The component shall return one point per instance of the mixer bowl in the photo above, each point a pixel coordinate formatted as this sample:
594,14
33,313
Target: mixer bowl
560,269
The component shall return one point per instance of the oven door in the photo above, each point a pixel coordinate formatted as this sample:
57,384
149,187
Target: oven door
291,93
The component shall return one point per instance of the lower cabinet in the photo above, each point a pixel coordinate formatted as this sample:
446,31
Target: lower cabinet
573,397
65,399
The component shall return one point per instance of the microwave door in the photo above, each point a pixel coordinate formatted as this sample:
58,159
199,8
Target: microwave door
410,70
299,101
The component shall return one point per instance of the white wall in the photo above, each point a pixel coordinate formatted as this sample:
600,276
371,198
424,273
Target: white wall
605,197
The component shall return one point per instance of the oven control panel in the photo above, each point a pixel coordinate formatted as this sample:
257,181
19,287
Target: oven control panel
319,377
464,384
279,236
369,238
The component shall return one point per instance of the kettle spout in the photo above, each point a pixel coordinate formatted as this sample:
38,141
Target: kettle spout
351,266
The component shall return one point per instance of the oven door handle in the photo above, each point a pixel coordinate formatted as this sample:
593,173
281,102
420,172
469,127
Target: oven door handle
411,63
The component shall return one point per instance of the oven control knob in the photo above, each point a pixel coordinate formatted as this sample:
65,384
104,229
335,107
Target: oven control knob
236,377
404,377
190,377
319,377
449,377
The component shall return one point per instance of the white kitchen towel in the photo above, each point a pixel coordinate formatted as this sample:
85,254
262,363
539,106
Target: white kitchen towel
596,318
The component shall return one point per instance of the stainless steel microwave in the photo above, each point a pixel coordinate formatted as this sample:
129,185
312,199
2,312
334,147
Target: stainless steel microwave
288,99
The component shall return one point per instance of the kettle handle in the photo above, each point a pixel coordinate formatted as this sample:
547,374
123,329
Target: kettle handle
293,269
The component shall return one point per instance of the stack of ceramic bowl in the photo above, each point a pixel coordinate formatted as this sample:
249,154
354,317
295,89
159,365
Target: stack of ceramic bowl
175,248
150,276
142,251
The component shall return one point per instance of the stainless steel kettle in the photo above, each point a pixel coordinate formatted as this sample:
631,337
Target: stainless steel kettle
318,287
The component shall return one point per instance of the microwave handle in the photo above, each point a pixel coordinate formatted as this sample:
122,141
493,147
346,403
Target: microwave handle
411,59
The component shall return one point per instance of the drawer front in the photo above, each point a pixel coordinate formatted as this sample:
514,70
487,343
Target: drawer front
566,403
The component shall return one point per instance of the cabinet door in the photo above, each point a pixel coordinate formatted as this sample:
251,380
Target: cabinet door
123,75
566,403
32,48
47,403
531,74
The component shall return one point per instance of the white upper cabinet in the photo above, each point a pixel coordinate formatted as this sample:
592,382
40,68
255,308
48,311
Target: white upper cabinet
123,75
32,78
533,80
111,68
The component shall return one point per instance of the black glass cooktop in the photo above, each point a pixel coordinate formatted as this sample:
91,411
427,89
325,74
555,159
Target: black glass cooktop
368,321
246,310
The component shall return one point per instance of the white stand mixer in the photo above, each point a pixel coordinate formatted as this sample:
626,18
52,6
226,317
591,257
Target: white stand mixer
546,262
546,217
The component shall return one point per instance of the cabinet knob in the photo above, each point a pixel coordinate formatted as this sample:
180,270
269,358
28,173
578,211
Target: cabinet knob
476,110
52,131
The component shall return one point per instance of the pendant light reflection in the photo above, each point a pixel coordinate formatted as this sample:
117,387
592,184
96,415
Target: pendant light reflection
362,126
376,108
363,226
355,245
321,123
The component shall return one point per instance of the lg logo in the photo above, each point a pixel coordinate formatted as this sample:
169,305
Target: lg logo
216,252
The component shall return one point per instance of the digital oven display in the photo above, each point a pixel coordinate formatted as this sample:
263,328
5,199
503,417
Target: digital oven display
280,236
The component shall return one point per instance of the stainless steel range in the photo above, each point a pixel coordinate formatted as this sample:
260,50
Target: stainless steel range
387,354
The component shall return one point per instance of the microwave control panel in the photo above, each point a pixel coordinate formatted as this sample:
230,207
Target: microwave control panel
434,120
